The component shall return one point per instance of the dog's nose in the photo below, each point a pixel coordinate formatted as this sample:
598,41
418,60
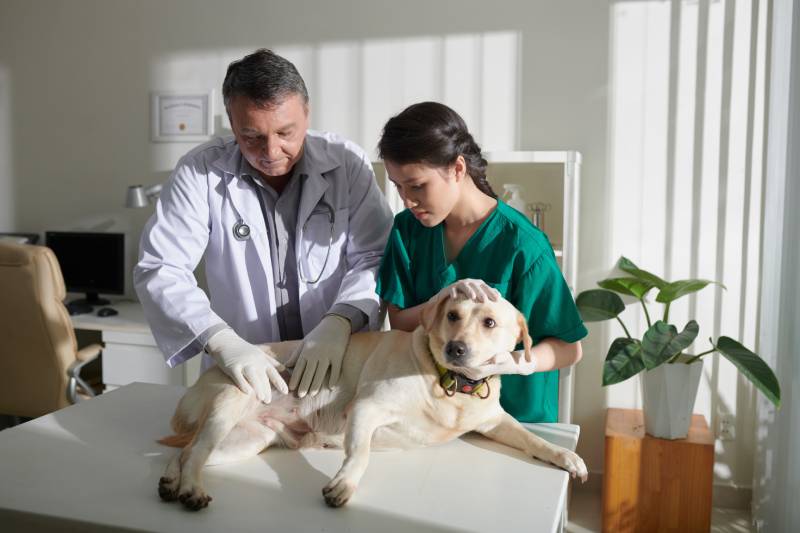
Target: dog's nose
455,349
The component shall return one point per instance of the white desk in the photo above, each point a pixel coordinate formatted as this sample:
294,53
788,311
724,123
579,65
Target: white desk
130,352
95,467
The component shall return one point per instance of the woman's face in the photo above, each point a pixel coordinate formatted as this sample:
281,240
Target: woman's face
429,192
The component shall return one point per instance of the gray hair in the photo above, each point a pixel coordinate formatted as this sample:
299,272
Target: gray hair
263,77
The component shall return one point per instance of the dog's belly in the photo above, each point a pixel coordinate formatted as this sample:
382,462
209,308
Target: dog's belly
310,422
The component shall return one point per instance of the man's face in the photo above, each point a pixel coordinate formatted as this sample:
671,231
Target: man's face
270,138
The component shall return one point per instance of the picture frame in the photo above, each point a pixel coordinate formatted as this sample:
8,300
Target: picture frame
181,116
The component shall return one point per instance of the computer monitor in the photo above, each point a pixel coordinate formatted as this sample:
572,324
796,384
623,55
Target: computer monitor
92,263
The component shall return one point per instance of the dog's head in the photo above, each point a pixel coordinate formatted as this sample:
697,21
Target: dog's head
465,334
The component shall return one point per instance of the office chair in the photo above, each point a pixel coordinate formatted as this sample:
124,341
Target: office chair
40,362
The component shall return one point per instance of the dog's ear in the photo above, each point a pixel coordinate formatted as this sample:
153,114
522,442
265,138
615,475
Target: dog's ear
523,337
431,311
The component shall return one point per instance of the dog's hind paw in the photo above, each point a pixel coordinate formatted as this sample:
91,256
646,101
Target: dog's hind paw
168,489
195,499
338,491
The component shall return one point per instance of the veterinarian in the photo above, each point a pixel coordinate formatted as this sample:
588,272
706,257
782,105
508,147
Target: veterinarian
292,226
456,236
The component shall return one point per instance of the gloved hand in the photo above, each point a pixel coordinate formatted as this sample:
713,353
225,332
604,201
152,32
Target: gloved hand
248,366
322,348
503,363
474,289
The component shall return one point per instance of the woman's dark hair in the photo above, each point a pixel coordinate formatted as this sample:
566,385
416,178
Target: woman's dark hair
433,134
263,77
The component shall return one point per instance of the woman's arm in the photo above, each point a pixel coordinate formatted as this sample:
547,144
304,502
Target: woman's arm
549,354
552,353
404,319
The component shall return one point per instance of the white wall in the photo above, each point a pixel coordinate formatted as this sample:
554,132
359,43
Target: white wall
75,78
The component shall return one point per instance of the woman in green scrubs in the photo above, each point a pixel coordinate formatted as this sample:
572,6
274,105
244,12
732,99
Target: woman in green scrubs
454,228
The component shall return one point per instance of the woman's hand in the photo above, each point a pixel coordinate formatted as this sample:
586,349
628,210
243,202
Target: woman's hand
475,289
502,363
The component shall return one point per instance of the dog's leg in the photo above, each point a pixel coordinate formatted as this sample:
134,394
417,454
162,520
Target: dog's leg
362,422
226,412
506,430
170,482
246,440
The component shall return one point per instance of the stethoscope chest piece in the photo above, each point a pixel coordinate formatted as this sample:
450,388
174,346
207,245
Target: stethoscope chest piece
241,231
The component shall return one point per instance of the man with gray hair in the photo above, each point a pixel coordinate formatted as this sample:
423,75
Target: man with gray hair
292,226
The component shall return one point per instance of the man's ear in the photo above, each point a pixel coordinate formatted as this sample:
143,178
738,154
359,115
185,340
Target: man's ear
431,312
523,337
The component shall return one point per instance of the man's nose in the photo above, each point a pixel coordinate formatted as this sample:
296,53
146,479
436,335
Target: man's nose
272,149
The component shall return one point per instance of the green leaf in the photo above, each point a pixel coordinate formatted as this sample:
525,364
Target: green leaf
753,367
598,304
631,286
623,361
662,342
676,289
626,265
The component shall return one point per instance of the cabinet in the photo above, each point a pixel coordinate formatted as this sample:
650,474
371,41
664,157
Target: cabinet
549,177
130,353
653,484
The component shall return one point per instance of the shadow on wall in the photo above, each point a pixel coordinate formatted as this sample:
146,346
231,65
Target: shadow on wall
356,85
686,125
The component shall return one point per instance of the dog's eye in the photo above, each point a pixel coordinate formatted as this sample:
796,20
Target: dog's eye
452,316
489,322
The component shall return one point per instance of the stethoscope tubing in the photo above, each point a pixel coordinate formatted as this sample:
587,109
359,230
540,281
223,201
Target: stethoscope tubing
241,232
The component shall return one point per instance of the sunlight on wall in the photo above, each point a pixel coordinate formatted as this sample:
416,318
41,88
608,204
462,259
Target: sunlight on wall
355,86
6,169
686,132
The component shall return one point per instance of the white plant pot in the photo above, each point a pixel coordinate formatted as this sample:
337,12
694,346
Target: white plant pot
668,394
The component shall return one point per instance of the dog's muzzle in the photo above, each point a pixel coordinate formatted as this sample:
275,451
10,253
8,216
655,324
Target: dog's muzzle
455,350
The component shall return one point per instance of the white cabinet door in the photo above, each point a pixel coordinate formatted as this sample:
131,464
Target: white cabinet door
126,363
133,356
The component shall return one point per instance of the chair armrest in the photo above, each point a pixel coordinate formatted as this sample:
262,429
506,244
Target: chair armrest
89,353
82,358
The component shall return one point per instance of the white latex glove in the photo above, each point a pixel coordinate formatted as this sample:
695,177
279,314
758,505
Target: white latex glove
322,348
503,363
474,289
248,366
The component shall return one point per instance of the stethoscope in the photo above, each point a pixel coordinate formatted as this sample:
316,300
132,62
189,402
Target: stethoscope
241,232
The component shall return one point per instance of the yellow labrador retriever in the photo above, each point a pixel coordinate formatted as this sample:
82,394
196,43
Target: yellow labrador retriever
397,390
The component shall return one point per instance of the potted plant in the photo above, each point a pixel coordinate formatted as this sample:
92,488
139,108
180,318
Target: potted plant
672,377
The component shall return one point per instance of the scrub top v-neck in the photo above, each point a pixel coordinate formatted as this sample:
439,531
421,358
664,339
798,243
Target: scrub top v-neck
510,254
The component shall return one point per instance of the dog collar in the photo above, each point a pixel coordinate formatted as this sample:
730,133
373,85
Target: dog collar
453,382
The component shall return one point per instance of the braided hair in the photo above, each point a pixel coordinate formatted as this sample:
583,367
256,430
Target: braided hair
433,134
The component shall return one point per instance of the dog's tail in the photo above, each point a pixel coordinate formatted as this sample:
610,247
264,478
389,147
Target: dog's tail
179,440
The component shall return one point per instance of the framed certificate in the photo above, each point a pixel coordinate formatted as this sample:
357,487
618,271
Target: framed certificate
181,117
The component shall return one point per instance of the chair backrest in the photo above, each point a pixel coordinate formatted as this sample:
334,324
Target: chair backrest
37,341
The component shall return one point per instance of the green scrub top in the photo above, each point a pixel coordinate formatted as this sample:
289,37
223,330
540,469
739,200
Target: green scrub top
510,254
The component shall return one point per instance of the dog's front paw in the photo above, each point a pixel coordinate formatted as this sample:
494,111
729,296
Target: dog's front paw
572,463
168,489
338,491
194,499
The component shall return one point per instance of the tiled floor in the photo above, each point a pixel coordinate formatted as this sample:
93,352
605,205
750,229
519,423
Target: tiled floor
585,516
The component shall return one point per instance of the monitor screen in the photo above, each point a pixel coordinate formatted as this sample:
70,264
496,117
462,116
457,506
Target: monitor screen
90,262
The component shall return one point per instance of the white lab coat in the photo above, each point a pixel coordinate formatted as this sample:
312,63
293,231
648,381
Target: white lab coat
198,207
